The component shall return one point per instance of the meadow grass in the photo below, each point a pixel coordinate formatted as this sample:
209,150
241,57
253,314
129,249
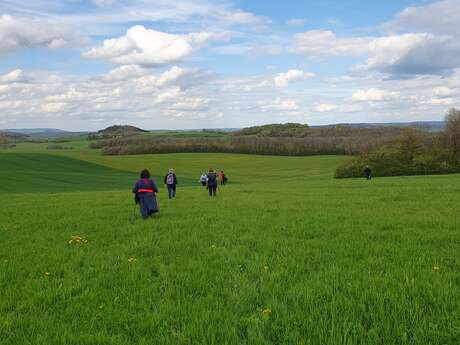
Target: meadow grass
284,255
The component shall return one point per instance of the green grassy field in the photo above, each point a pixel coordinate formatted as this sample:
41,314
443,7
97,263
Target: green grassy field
284,255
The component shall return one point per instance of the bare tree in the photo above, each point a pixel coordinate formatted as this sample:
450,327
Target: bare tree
452,134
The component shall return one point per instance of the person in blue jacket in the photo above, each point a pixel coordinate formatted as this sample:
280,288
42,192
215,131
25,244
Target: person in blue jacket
144,190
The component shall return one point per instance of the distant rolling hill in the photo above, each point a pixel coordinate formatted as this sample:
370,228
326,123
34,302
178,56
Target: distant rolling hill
35,130
124,131
426,125
46,173
117,132
26,172
42,132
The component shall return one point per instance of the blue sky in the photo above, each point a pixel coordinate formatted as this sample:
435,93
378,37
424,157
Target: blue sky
87,64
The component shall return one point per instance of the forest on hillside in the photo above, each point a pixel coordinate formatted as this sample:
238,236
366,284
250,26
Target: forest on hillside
283,140
412,153
389,150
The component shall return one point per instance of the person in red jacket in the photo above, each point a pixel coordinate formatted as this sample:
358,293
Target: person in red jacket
144,190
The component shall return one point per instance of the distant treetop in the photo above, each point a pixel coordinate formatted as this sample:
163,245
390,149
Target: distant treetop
117,131
287,130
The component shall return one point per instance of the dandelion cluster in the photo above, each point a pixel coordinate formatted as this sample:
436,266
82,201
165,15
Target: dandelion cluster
76,239
267,312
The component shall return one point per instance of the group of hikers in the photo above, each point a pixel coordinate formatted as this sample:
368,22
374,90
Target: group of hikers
145,188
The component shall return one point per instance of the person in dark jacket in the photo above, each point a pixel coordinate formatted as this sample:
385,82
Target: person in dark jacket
212,182
170,182
145,189
368,173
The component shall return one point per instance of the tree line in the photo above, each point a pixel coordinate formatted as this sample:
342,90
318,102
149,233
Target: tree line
340,140
389,151
413,152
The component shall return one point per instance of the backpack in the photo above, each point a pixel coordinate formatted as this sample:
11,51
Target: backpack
170,179
212,178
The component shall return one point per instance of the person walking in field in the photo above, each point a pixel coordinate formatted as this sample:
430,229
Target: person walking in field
170,182
368,173
212,183
222,178
203,179
144,190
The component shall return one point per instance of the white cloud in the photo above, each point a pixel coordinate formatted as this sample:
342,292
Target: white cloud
296,22
18,33
173,74
281,105
316,43
102,3
52,107
123,73
109,14
445,92
147,47
243,85
442,101
169,95
191,104
325,107
399,56
157,99
71,95
444,95
14,76
184,78
412,54
373,95
239,17
250,49
11,105
439,17
282,80
200,39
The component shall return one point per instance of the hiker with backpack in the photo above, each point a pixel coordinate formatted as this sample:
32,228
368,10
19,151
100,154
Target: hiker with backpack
203,179
222,178
212,183
144,190
368,173
170,182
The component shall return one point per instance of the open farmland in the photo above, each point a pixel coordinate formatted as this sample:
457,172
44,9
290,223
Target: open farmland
284,255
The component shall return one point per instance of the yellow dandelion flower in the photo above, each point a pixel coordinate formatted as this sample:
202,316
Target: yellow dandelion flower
436,268
267,312
77,239
213,246
46,274
132,259
266,268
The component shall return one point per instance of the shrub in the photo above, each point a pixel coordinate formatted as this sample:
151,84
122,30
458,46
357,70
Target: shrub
58,147
412,153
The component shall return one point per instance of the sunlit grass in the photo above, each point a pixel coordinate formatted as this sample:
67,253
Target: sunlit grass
284,255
